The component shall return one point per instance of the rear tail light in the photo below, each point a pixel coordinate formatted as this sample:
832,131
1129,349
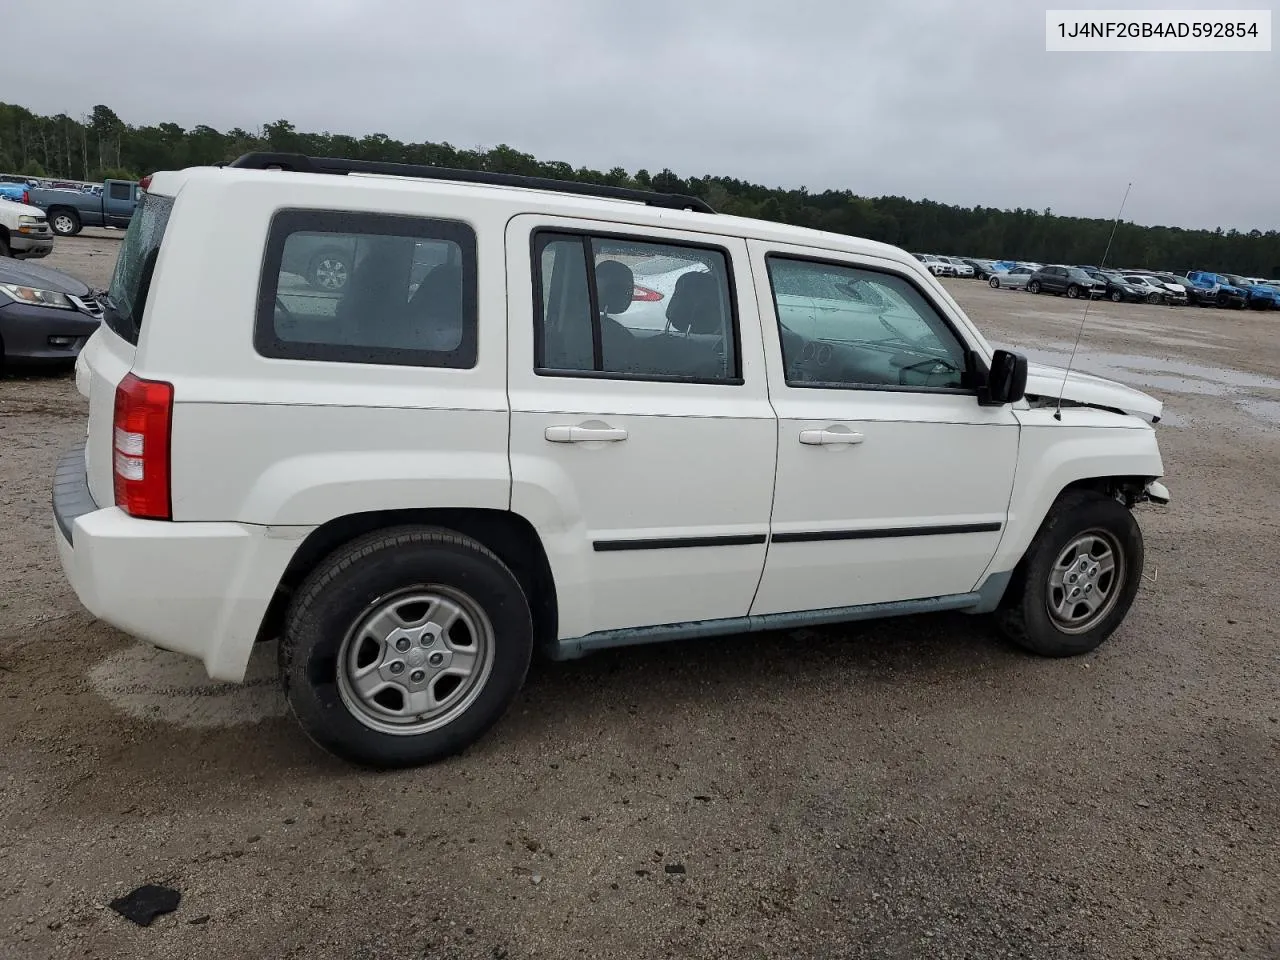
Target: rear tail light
144,183
645,294
140,458
26,197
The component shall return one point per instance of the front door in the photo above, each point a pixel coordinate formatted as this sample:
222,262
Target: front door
893,483
642,439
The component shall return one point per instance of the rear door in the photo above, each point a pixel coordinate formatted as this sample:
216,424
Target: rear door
642,438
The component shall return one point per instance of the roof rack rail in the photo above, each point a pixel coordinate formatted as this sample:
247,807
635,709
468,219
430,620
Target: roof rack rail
301,163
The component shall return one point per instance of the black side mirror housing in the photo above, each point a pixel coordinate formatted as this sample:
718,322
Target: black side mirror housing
1006,382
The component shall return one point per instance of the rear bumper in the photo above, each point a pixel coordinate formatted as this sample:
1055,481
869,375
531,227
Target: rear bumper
33,247
34,334
199,589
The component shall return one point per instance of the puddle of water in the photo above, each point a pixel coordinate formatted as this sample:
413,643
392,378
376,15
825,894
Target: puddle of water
1170,376
153,684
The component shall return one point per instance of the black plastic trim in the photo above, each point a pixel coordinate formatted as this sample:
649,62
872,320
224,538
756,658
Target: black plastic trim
71,497
801,536
300,163
669,543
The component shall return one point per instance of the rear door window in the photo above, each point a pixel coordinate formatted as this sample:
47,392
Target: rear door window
629,308
131,282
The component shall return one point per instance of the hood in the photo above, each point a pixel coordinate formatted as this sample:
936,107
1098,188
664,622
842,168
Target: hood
15,207
27,274
1084,388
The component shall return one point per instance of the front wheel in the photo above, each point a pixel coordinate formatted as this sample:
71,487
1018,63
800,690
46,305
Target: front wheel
994,283
1078,579
1033,286
1073,291
1153,298
405,646
1116,296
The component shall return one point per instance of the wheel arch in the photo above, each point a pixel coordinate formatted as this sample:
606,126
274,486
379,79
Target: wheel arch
510,536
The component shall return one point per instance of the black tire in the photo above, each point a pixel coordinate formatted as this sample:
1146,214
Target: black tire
1116,296
1033,286
4,248
329,270
1024,615
1153,297
65,223
1073,291
994,283
345,586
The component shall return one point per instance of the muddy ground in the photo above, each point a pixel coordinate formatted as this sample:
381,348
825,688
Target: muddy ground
904,789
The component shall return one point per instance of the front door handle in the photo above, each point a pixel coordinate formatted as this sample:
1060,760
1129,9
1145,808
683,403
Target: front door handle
830,435
583,434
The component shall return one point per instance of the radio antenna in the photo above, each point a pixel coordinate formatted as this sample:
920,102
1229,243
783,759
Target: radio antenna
1057,414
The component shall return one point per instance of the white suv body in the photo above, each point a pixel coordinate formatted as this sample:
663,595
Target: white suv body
820,434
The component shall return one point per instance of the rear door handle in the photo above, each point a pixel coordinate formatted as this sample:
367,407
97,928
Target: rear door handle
830,435
580,434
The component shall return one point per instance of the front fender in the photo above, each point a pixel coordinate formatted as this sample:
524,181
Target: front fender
1085,445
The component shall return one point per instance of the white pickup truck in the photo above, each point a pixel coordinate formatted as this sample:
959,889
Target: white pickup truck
24,231
469,451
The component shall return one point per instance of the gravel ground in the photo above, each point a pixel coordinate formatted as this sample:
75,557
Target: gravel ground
901,789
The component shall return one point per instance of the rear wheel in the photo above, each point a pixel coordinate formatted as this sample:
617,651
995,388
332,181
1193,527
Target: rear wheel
1078,579
405,646
1033,286
65,223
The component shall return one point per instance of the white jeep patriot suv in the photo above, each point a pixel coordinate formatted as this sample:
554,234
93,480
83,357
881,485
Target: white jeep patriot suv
529,414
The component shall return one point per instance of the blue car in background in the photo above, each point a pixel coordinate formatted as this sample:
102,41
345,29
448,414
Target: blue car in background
1225,293
1258,295
18,192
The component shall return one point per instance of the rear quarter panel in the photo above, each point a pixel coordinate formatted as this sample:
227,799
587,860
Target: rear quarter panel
299,442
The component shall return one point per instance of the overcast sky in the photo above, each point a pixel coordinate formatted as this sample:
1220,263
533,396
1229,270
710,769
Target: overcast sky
951,100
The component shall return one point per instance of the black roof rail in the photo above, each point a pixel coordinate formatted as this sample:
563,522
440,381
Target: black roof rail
300,163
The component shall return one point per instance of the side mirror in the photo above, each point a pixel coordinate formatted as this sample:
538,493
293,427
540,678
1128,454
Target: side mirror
1007,381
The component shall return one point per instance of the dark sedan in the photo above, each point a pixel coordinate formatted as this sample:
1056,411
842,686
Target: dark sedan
1118,288
45,315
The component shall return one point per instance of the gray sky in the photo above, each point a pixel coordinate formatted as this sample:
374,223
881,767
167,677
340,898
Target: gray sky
951,100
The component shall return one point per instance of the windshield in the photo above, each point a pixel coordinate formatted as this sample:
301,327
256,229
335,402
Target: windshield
131,281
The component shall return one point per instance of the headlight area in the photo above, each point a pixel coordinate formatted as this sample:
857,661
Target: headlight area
36,297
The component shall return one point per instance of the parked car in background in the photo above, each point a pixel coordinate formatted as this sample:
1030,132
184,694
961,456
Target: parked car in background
1257,295
1015,279
1071,281
1156,291
24,231
45,315
1226,293
982,269
963,268
939,268
70,210
1118,288
1175,289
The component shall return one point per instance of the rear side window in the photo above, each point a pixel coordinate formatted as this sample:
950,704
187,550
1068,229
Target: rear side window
121,191
628,308
368,288
131,282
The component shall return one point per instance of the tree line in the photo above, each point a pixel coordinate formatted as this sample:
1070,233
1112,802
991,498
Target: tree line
100,145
